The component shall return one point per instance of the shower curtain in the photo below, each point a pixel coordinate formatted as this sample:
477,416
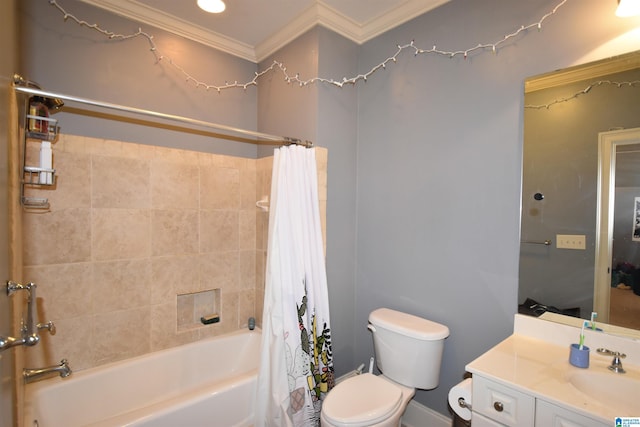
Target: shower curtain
296,367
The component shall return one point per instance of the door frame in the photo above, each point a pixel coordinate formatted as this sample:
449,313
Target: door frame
607,146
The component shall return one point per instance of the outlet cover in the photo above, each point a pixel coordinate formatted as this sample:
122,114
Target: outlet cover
571,241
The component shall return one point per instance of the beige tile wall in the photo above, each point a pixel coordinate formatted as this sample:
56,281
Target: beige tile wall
130,228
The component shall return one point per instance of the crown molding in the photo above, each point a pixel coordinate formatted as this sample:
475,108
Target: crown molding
319,13
316,14
304,22
593,70
396,17
323,14
147,15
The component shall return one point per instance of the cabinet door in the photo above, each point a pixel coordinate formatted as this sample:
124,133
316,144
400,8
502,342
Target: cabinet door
502,403
549,415
478,420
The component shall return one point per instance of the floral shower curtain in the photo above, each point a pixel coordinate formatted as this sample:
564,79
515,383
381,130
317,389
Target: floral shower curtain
296,369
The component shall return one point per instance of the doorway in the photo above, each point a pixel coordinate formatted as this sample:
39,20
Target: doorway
617,278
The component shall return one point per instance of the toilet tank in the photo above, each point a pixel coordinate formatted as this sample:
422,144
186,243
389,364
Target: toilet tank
408,348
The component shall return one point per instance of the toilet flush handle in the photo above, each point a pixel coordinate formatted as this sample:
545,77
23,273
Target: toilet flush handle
371,328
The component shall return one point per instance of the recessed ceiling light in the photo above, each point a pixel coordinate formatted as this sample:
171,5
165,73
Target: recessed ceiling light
628,8
212,6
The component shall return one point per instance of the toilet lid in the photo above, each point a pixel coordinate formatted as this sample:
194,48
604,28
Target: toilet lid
361,400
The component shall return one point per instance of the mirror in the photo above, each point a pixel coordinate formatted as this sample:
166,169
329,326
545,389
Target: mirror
581,177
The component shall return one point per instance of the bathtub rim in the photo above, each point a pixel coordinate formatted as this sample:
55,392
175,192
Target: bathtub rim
32,391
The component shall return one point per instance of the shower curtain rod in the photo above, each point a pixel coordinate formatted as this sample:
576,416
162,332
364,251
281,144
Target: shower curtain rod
181,119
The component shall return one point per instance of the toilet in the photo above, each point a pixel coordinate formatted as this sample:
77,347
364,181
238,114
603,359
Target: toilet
408,353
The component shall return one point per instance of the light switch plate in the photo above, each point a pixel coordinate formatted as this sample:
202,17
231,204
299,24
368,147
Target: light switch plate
571,241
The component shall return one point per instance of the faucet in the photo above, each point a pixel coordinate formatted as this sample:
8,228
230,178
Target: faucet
616,364
62,369
28,331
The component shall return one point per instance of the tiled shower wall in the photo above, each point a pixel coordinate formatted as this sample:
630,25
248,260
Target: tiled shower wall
139,243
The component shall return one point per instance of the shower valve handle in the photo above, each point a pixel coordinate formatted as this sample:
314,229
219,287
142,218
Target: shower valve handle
50,326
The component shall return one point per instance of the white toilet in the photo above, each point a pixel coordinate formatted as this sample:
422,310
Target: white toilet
408,353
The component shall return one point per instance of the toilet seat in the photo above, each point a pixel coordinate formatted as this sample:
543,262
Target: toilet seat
362,400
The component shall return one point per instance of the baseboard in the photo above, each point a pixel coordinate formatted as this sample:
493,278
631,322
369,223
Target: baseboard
418,415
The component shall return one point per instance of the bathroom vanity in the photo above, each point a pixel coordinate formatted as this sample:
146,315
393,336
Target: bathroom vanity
527,380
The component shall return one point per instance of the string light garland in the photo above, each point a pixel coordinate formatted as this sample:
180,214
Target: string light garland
295,79
634,83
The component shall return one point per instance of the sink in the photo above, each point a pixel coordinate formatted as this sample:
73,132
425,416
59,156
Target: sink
619,391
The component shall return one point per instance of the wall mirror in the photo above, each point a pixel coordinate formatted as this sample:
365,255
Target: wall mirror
580,225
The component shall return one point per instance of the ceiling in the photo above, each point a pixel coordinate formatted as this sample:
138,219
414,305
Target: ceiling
254,29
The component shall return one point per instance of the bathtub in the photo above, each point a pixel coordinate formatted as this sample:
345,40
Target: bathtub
207,383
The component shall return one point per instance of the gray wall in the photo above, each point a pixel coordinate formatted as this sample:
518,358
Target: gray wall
561,161
439,165
64,57
337,130
285,107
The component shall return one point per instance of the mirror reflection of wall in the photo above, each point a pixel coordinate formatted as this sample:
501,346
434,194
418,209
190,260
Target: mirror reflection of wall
560,162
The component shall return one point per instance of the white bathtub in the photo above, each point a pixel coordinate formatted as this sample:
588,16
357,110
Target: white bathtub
206,383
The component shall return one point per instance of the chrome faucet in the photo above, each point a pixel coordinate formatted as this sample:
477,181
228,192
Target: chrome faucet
616,364
28,331
62,369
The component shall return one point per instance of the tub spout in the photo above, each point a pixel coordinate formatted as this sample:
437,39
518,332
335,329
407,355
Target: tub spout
62,369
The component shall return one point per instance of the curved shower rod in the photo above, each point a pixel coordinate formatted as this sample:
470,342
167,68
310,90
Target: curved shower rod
18,87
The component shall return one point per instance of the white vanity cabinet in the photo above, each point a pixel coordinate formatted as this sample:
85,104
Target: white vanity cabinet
503,404
498,405
478,420
526,380
550,415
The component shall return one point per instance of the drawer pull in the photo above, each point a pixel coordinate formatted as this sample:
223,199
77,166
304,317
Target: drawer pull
498,406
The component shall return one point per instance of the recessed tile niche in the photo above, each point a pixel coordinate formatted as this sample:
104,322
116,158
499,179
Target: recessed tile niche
193,306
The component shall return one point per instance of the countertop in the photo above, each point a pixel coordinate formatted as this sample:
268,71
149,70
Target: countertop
542,369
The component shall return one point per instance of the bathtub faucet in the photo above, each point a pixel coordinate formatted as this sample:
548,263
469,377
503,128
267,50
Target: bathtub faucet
29,330
62,369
